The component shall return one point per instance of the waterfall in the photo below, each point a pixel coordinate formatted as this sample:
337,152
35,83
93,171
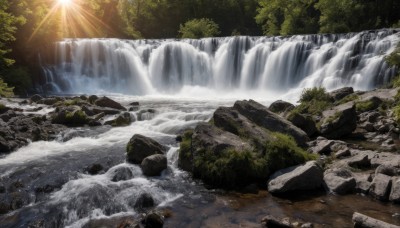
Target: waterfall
277,64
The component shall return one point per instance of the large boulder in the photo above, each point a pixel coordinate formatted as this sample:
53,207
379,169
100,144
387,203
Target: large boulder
304,122
339,181
339,121
71,116
341,93
124,119
380,187
261,116
280,106
140,147
109,103
303,177
153,165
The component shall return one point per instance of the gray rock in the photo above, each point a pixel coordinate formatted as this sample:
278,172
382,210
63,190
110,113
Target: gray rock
140,147
322,147
343,153
359,161
144,201
363,183
364,221
380,187
304,122
339,121
341,93
387,169
93,98
124,119
280,106
303,177
153,165
340,181
48,101
122,174
395,191
261,116
109,103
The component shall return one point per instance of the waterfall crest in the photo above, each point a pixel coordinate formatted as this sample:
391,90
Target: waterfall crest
142,67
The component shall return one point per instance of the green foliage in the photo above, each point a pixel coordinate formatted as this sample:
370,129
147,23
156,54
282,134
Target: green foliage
396,114
5,91
365,106
19,78
316,93
199,28
348,98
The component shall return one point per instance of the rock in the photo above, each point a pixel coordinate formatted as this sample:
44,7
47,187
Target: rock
272,221
48,101
106,111
135,103
261,116
339,181
363,183
388,170
304,122
322,147
343,153
122,120
35,98
83,97
380,187
88,111
109,103
140,147
359,161
339,121
368,104
280,106
154,164
395,191
153,220
72,116
93,98
146,114
122,174
302,177
144,201
363,221
94,169
341,93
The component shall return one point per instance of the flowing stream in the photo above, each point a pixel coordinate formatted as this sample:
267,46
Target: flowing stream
184,81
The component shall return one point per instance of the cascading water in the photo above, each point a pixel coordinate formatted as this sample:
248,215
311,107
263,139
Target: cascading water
276,64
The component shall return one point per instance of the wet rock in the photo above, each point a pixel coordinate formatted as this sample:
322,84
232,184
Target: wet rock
302,177
339,121
48,101
304,122
122,174
88,111
341,93
364,221
395,191
280,106
94,169
124,119
144,201
8,115
71,116
380,187
93,98
135,103
339,181
109,103
261,116
35,98
343,153
140,147
153,220
153,165
146,114
272,221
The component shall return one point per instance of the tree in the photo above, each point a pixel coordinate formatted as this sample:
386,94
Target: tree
199,28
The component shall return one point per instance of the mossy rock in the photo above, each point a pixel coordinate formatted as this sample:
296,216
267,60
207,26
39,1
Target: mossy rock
71,118
368,105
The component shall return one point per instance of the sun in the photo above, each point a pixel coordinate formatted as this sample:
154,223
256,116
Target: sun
65,2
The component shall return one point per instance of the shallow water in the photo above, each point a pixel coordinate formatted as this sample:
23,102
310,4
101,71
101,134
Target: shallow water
60,167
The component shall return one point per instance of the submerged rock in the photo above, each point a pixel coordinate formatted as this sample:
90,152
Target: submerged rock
124,119
122,174
303,177
144,201
140,147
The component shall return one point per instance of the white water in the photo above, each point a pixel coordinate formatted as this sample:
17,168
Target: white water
222,66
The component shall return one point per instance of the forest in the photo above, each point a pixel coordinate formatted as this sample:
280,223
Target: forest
29,26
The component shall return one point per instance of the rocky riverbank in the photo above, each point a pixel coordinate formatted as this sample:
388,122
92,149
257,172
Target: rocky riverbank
343,143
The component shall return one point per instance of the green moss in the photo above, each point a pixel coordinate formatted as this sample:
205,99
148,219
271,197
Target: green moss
364,106
5,90
76,118
316,93
332,118
348,98
233,169
2,107
396,113
314,107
